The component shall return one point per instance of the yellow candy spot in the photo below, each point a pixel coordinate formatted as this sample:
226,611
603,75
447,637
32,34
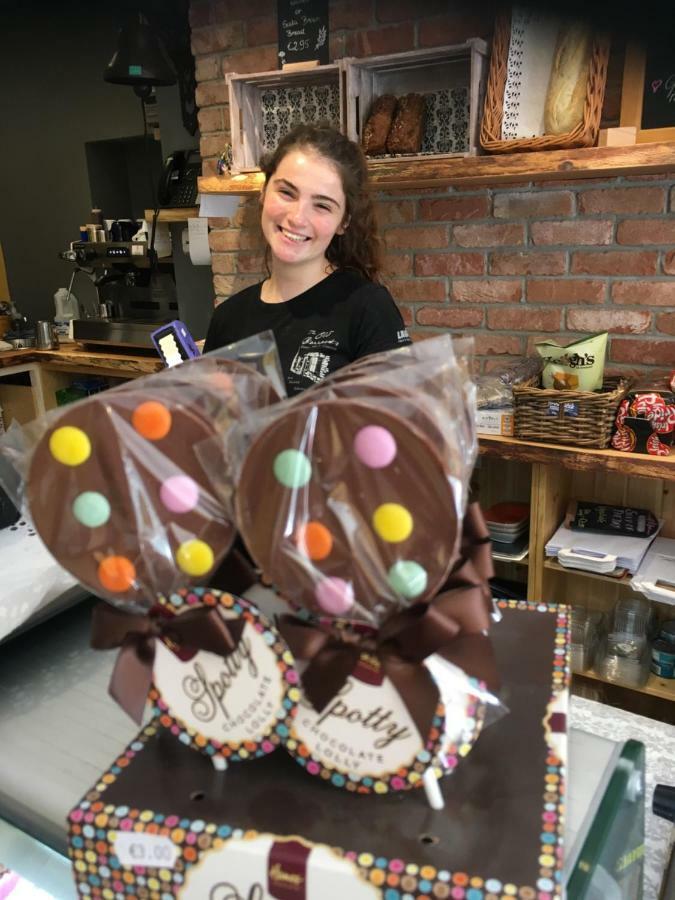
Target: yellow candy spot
392,522
70,446
194,558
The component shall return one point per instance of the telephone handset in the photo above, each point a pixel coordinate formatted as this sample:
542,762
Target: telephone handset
178,184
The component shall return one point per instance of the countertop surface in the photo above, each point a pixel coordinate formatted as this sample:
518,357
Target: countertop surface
70,355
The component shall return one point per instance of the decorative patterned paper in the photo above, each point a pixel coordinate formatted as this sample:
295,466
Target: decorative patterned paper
533,37
236,707
284,108
446,124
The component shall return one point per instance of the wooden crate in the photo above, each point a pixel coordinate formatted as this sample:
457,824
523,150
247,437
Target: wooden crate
266,105
433,72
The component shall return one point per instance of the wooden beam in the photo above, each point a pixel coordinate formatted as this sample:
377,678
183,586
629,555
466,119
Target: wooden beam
550,165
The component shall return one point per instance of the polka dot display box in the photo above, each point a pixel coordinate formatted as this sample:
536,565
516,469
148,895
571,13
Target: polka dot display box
231,708
161,823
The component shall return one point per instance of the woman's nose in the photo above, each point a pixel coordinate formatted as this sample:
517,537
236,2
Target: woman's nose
298,211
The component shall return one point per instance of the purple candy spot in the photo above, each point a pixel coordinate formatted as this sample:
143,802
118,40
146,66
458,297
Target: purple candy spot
375,446
335,596
179,494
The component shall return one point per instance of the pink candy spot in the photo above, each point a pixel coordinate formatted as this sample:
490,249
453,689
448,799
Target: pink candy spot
179,494
127,824
313,768
267,746
374,446
292,676
397,784
76,815
334,595
396,865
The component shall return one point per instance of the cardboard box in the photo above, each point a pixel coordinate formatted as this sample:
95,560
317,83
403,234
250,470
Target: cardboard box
162,823
495,421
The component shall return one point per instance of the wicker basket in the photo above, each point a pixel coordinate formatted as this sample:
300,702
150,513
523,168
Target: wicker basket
584,135
582,418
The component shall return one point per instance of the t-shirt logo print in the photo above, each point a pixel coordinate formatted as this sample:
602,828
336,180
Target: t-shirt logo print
311,363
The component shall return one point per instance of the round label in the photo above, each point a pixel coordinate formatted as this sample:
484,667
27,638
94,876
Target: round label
237,706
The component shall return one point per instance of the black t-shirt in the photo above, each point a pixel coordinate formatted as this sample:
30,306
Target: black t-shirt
340,319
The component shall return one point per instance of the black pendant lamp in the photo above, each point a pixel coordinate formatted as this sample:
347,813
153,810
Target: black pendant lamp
140,59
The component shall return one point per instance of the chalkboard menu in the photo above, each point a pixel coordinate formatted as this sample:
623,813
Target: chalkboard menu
658,103
303,31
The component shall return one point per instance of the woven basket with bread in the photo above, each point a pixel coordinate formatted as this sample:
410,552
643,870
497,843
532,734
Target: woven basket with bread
574,95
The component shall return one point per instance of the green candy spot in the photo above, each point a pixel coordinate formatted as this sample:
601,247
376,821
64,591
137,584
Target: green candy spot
91,509
292,468
407,578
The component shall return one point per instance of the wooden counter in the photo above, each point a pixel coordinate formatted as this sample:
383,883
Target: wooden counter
75,358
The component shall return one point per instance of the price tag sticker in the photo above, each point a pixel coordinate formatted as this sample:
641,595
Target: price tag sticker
155,850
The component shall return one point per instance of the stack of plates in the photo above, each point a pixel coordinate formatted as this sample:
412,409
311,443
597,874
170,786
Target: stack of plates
507,522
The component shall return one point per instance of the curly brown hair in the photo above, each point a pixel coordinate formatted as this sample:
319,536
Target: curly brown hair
358,247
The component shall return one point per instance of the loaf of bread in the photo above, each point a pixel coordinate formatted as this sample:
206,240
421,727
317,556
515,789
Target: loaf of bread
407,129
566,95
378,125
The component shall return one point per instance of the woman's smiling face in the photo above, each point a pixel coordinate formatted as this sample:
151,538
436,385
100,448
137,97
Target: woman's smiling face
304,206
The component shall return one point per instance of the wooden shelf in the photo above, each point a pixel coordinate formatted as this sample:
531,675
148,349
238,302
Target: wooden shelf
551,165
555,566
173,215
664,688
579,458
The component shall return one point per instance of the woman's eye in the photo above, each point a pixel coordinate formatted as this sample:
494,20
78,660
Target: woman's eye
323,206
285,192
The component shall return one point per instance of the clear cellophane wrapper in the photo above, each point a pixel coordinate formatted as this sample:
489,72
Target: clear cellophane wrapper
114,487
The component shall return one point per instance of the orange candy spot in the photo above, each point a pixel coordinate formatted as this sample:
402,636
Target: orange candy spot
152,420
315,540
116,573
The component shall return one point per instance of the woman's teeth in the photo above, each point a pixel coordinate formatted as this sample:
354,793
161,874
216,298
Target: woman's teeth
298,238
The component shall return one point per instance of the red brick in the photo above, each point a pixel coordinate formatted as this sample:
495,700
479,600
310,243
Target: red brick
213,144
250,262
614,262
228,10
665,322
491,290
457,27
220,241
248,214
450,318
526,263
449,264
618,321
207,68
373,41
671,201
402,10
486,344
395,212
351,14
574,232
488,235
649,293
337,46
223,285
407,315
397,264
622,200
423,236
217,38
209,166
261,31
255,59
211,93
210,119
218,222
645,353
449,209
567,291
646,231
523,319
533,203
223,263
669,263
199,13
411,290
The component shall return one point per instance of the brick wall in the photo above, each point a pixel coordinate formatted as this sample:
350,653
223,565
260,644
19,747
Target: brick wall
507,264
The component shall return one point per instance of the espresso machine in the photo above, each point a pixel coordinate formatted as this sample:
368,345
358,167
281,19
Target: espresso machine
136,293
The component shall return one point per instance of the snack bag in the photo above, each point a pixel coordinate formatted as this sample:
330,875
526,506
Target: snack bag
577,367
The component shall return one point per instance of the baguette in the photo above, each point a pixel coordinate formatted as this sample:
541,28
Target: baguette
566,95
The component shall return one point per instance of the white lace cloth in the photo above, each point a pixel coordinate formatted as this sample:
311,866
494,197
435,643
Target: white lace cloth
533,36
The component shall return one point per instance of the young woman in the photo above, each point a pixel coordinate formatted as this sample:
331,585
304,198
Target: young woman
322,299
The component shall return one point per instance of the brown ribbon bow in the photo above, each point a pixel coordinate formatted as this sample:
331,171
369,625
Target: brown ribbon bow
201,628
453,621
